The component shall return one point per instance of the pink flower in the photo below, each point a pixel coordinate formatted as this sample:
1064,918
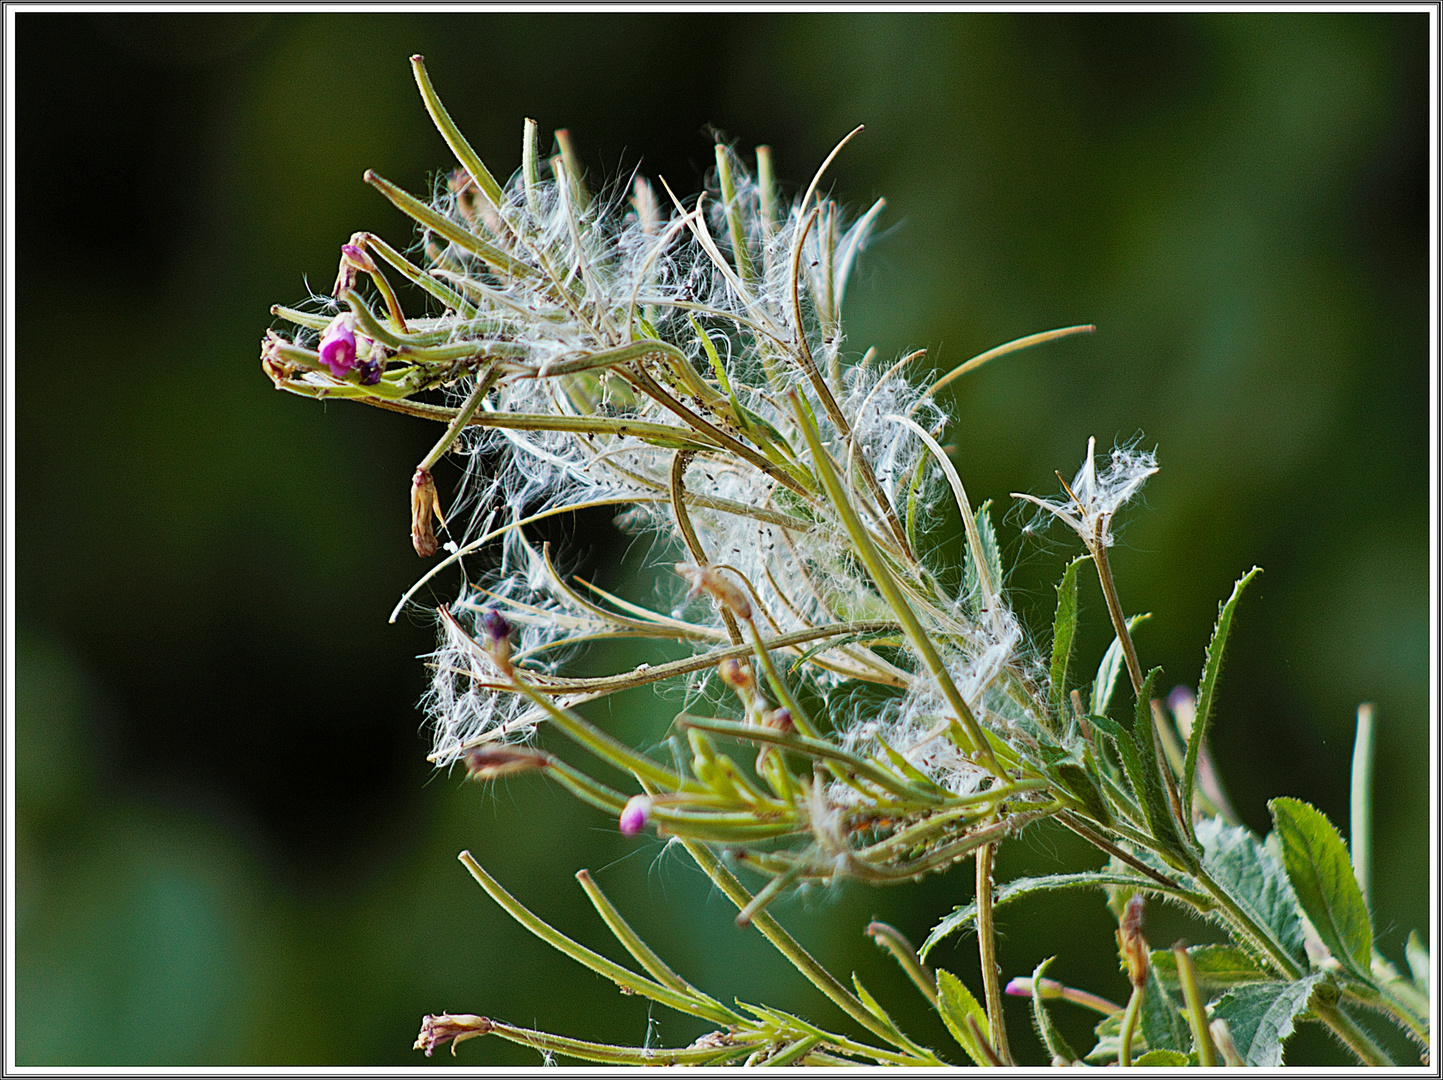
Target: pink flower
634,814
338,345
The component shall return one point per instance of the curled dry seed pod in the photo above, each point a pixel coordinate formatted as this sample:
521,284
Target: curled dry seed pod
1131,943
710,580
425,505
493,761
446,1028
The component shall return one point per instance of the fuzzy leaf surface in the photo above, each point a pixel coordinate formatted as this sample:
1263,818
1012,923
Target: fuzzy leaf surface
1064,629
971,585
1109,1041
1161,1059
1051,1038
955,1003
1148,783
1207,685
1107,671
1255,880
1217,966
1322,876
959,917
1162,1025
1260,1017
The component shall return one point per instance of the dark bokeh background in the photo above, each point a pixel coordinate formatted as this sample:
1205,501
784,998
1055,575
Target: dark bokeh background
229,846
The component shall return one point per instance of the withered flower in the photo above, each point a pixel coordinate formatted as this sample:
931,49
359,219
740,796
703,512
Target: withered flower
425,504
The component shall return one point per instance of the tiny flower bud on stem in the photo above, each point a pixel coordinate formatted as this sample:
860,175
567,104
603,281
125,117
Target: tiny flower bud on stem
496,637
634,815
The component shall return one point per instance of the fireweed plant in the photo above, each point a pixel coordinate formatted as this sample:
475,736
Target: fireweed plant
683,361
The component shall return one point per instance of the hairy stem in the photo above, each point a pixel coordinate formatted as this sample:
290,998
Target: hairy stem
987,947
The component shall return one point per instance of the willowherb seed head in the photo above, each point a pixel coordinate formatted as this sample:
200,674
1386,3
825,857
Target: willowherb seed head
1093,499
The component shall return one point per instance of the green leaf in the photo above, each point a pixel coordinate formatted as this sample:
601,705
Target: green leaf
872,1006
1111,666
1207,686
1108,726
1064,629
1255,880
1147,781
1260,1017
1322,876
1077,777
1161,1059
1056,1045
1108,1031
959,917
1162,1025
1418,960
955,1003
971,586
1217,966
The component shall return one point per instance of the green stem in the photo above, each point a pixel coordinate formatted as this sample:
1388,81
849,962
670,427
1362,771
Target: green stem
621,1055
815,748
601,744
643,953
1129,1025
987,947
887,585
1114,608
891,939
468,157
1351,1035
779,687
799,958
484,382
793,1053
580,953
1245,927
1197,1016
1390,1003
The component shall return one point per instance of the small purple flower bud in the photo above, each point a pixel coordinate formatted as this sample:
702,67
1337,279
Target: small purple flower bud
357,257
1019,987
634,814
494,626
370,372
497,634
338,345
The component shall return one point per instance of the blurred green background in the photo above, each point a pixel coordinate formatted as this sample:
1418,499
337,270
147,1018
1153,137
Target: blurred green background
229,846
